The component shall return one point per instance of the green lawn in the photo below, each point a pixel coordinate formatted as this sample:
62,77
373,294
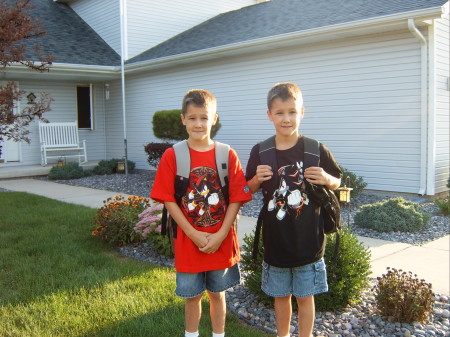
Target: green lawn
58,280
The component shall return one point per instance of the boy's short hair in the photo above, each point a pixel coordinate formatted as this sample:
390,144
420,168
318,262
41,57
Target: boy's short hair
199,98
284,91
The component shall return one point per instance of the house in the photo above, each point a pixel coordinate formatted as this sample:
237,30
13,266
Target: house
374,75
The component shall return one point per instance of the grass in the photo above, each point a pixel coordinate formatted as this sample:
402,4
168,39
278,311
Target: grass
58,280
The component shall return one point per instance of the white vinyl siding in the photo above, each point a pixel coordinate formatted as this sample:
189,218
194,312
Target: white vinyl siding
63,109
104,17
442,162
152,22
362,99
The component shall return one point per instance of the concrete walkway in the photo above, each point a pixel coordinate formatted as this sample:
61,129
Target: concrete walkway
430,262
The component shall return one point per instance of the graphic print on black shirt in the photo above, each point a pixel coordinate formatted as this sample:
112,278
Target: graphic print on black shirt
204,200
290,196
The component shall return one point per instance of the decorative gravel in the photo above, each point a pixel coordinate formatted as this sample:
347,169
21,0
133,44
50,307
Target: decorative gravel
357,320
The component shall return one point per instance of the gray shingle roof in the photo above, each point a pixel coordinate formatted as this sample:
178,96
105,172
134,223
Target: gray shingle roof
278,17
68,37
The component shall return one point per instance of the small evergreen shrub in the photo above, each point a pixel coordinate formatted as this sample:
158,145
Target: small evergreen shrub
444,205
68,171
351,275
405,298
110,166
116,219
392,215
357,183
155,151
167,125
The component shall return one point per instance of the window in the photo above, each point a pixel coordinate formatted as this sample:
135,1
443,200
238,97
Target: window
85,107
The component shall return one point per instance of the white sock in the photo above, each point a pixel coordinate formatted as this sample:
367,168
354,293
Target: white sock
190,334
218,334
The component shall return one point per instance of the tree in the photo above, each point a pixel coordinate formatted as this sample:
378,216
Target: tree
17,27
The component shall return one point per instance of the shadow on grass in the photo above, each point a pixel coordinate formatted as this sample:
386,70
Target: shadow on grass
47,246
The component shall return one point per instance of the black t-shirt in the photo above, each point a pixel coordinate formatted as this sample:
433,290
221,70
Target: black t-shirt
293,226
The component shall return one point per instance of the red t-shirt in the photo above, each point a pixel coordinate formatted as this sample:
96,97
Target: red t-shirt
204,207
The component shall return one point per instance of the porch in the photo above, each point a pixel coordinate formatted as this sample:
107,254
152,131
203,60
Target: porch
11,172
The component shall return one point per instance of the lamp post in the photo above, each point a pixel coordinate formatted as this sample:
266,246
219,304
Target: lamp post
61,161
121,166
344,195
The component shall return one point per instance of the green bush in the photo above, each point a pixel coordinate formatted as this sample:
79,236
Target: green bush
167,125
405,298
68,171
116,219
444,205
357,183
155,151
392,215
110,166
351,276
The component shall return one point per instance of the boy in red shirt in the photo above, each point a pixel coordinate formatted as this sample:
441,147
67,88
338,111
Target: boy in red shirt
206,246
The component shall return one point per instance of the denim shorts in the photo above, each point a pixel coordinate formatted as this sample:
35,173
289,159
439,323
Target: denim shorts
299,281
191,285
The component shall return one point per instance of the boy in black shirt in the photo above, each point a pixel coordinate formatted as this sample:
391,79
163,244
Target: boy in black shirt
293,235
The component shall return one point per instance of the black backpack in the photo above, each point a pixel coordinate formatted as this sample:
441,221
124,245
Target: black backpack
321,195
183,160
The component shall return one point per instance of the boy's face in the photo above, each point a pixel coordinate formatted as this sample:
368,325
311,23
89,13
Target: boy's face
285,116
199,121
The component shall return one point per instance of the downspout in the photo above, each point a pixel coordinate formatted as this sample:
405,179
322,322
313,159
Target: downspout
423,104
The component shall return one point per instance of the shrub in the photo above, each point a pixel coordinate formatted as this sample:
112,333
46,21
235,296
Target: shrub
155,152
351,272
357,183
149,227
167,125
351,275
115,220
392,215
444,205
110,166
405,298
252,268
68,171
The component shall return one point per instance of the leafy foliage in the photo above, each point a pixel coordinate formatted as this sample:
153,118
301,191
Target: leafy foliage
149,227
167,125
403,296
155,152
116,219
351,274
357,183
68,171
110,166
350,278
395,214
17,26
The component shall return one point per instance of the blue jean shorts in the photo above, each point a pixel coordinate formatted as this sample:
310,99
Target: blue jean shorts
299,281
190,285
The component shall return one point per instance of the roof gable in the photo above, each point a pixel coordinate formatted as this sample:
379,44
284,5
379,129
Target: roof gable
278,17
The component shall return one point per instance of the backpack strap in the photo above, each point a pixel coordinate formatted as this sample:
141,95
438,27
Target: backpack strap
311,154
222,154
268,156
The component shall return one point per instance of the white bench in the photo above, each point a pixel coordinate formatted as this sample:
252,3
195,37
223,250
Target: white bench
61,137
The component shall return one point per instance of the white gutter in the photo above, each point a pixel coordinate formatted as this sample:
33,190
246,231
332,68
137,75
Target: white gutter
292,38
423,104
431,166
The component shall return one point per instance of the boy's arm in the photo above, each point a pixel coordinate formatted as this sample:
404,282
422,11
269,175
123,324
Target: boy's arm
263,173
317,175
215,239
200,239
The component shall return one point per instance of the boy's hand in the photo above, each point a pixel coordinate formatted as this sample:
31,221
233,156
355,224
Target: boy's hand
214,242
200,239
263,173
317,175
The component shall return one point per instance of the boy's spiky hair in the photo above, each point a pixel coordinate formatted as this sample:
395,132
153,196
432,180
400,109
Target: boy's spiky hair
284,91
199,98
